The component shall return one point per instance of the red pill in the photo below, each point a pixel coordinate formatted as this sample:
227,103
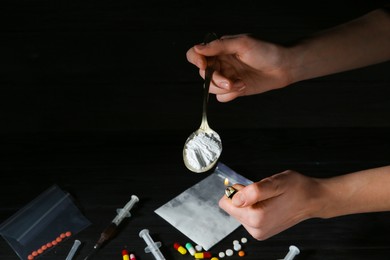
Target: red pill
62,235
58,239
68,234
30,257
54,242
49,245
44,247
34,253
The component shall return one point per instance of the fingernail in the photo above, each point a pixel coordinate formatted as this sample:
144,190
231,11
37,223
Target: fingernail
224,85
238,200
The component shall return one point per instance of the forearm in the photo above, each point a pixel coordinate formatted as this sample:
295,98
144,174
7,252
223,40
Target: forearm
360,192
361,42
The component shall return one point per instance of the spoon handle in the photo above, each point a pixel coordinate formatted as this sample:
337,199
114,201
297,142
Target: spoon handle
207,80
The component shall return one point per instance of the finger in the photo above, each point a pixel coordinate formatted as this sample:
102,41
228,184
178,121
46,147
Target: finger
245,215
220,83
223,98
229,96
225,46
258,191
196,59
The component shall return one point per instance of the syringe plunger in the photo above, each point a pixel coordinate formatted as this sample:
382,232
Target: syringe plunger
293,251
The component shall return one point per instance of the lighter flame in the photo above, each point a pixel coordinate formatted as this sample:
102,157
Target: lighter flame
226,182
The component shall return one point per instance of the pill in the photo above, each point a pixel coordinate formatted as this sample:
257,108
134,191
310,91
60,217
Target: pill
244,240
190,248
198,248
68,233
132,257
54,242
241,253
58,239
180,248
235,242
40,251
237,247
125,254
221,254
214,258
44,247
30,257
229,252
62,235
201,255
49,245
34,253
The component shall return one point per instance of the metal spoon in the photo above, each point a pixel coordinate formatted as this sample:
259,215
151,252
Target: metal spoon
204,146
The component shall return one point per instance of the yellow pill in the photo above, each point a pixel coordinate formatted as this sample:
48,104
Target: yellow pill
214,258
180,248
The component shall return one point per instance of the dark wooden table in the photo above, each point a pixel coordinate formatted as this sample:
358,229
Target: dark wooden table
98,98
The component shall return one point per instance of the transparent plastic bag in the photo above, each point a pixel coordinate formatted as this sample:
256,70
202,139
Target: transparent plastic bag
41,221
195,212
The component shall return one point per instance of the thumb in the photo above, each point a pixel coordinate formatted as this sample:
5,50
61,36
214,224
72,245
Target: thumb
258,191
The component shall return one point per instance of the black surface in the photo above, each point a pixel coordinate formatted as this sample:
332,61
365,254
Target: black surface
98,98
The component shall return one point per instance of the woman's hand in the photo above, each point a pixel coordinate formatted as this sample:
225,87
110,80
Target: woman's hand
274,204
244,66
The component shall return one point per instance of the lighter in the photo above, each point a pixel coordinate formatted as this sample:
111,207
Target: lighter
230,191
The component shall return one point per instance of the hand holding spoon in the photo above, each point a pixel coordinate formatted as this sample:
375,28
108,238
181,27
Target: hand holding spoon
204,146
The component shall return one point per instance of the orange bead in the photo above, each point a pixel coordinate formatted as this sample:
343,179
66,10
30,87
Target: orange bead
40,251
54,242
58,239
62,235
241,253
44,247
68,234
49,245
34,253
30,257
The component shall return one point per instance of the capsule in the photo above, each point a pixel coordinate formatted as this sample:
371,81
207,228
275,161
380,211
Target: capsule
180,248
202,255
125,254
190,248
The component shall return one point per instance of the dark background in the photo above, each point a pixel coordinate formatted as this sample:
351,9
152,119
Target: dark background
98,97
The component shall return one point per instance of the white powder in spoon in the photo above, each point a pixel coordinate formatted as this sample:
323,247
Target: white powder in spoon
202,150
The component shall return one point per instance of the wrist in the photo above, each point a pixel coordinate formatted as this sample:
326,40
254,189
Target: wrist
324,200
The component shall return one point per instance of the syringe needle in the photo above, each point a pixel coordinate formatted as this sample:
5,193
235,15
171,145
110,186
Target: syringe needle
110,231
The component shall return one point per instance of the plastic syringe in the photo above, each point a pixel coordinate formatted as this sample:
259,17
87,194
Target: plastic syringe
110,231
293,251
152,247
